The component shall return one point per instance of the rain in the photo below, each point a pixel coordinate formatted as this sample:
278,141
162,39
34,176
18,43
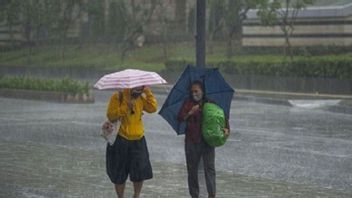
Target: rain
289,62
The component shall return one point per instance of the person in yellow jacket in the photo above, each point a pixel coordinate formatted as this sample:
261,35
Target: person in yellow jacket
129,156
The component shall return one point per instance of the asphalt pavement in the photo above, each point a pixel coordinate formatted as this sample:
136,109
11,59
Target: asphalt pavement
296,150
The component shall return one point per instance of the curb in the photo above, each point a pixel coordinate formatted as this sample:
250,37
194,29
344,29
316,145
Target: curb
60,97
279,98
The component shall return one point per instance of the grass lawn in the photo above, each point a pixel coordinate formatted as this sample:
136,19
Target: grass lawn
97,56
105,56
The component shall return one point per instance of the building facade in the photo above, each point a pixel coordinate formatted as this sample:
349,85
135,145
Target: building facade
327,25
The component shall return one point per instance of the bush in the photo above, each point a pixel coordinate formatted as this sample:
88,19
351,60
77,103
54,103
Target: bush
317,50
24,82
339,67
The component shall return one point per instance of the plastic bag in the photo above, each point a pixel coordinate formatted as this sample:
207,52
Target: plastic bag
213,123
109,131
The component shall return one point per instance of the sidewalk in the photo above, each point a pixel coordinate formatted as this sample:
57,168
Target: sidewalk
343,102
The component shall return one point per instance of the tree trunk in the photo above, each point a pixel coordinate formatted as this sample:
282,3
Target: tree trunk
229,52
28,30
165,39
180,18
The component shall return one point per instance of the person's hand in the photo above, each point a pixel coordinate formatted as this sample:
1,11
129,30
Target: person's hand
131,104
108,126
146,90
226,132
194,109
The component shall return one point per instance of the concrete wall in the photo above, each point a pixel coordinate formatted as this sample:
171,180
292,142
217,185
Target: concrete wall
303,35
330,28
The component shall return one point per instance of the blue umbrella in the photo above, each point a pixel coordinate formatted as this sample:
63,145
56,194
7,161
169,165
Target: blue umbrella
216,89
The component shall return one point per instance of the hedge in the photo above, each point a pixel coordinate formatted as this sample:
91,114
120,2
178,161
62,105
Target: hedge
317,50
339,67
25,82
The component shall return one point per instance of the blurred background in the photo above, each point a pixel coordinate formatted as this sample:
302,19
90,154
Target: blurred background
290,62
306,41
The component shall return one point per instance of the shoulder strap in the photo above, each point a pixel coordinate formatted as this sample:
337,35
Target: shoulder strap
120,97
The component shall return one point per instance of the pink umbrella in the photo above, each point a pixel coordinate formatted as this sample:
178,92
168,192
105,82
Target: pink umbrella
129,78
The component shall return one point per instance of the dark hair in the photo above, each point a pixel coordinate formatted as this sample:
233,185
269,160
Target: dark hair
197,82
200,84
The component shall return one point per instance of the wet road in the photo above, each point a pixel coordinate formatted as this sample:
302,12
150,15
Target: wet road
54,150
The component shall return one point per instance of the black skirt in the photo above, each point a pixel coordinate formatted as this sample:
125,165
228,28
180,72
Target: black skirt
128,158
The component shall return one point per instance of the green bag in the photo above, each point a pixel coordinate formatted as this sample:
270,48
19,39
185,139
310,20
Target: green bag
213,123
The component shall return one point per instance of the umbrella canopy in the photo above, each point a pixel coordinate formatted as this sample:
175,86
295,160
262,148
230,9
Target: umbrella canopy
129,78
216,89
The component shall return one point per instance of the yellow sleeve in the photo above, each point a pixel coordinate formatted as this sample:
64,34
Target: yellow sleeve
150,104
115,109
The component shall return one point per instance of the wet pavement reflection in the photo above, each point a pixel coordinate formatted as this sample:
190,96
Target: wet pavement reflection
54,150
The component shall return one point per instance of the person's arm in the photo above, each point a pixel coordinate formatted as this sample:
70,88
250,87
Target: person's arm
227,128
115,109
187,110
150,104
183,113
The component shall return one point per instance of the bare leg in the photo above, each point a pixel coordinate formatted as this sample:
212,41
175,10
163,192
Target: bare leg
137,189
120,190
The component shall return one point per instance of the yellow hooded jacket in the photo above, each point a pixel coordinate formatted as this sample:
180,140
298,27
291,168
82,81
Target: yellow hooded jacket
131,119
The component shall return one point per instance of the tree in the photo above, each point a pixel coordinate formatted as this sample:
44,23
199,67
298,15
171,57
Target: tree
41,19
9,12
28,16
215,22
138,16
163,20
229,15
283,13
70,11
96,18
180,15
117,21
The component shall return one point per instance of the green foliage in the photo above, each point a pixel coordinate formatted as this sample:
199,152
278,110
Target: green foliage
150,57
339,67
95,10
282,12
117,20
316,50
100,57
231,13
226,18
34,16
9,11
66,85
